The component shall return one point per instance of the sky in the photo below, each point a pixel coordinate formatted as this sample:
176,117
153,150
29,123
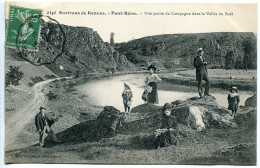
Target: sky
241,18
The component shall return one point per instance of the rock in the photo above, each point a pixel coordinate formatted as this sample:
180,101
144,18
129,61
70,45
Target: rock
201,113
84,50
247,118
251,101
210,100
147,108
109,120
197,114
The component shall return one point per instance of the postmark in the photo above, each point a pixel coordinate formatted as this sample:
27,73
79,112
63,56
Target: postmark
24,34
23,28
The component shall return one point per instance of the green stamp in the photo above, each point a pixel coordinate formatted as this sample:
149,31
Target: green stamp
23,28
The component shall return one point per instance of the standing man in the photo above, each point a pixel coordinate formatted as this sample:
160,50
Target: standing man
201,72
43,125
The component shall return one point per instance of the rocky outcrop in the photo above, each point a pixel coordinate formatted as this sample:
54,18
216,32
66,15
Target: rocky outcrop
251,101
79,49
106,125
202,113
195,113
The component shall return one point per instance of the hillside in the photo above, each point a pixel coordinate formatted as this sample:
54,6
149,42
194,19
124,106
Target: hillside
222,50
206,135
76,48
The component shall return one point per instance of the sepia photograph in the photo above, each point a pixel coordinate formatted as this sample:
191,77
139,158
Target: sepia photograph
130,83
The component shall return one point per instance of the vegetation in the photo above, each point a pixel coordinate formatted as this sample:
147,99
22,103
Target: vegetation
222,50
13,76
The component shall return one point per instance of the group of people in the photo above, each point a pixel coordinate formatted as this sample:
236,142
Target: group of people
167,132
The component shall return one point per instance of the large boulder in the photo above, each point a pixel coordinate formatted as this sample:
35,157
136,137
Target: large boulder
200,113
147,108
109,120
251,101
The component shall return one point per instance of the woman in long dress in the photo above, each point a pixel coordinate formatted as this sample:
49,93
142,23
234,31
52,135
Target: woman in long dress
168,130
151,80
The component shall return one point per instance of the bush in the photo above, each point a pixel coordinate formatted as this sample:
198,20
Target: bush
51,96
36,79
113,70
13,76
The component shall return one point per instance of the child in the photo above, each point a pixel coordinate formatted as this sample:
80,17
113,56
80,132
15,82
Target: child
167,132
233,101
127,98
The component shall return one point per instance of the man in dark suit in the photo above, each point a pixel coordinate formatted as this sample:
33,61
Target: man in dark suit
201,72
43,125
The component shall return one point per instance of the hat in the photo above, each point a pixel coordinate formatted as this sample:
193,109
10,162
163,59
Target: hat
234,87
42,108
199,49
128,87
151,67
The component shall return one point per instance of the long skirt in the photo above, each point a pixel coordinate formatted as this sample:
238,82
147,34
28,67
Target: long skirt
153,96
165,139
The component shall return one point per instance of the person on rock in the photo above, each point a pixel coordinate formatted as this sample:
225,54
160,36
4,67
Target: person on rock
201,72
43,125
233,101
127,98
167,132
151,80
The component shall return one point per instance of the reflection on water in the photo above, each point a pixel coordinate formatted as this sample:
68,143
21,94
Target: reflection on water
107,92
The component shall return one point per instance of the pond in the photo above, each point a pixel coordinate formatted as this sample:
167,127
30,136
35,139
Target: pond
108,91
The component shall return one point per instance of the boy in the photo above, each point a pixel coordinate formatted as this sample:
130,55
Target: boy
127,98
233,101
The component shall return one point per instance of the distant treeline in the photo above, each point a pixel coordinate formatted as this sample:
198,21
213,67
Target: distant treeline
227,50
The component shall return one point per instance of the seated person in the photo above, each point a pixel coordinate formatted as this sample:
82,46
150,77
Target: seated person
167,132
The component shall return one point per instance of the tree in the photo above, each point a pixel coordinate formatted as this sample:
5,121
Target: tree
112,42
13,76
73,59
230,60
249,47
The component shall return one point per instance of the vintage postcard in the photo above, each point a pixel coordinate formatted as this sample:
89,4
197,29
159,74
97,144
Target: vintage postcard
130,83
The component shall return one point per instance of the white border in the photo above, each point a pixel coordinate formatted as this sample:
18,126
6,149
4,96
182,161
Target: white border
2,123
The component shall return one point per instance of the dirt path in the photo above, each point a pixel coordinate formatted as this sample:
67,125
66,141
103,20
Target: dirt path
15,124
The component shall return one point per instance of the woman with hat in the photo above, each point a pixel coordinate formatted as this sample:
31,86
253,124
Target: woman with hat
151,80
233,101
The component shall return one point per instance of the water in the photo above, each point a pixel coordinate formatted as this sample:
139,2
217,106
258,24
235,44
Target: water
108,91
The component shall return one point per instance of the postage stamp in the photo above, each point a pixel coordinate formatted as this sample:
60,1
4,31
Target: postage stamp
23,28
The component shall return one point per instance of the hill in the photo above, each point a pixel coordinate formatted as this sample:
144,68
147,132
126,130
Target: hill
67,49
222,50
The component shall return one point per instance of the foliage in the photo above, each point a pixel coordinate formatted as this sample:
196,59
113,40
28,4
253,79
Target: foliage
230,59
222,50
250,60
51,96
73,59
36,79
13,76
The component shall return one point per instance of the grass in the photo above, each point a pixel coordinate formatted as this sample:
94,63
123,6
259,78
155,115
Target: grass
197,148
219,78
132,146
